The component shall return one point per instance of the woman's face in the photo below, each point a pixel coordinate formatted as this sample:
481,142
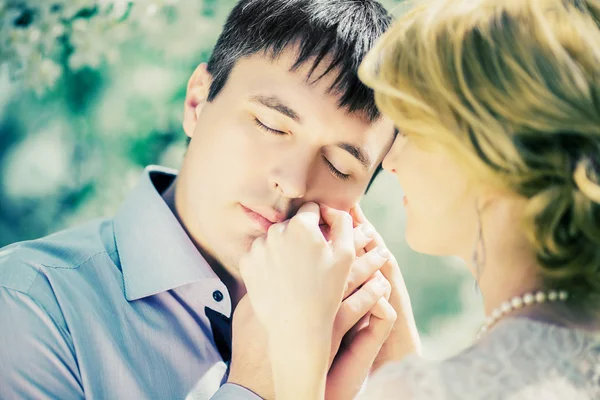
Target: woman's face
440,203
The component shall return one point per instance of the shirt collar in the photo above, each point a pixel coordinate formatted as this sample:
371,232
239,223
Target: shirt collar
155,252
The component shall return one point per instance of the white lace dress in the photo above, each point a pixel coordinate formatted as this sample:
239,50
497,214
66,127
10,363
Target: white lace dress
519,359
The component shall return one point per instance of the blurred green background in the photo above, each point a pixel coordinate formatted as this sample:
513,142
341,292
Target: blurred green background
92,91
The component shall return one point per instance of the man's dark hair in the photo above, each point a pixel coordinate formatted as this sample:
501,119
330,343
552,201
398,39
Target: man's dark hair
339,32
343,30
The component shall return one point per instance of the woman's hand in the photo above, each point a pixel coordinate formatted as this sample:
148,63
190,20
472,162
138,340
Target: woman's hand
404,337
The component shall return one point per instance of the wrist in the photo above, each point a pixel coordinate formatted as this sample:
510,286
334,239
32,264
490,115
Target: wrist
300,365
252,377
290,332
249,382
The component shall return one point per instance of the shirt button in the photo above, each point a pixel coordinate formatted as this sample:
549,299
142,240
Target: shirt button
217,295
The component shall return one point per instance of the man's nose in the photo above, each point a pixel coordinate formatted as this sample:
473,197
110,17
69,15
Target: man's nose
291,177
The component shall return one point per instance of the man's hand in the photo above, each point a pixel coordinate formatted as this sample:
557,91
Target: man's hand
250,364
295,278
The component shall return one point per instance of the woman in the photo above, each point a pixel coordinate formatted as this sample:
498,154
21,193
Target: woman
498,105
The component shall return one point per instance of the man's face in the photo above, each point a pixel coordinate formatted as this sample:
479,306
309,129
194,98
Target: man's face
267,143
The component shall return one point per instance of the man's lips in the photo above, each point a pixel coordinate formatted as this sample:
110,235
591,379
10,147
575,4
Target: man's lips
264,216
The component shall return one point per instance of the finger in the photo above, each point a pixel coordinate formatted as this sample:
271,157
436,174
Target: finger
258,245
358,215
370,336
361,353
363,235
309,212
352,213
364,321
351,334
357,305
369,340
276,230
391,268
341,232
381,323
382,318
364,267
305,223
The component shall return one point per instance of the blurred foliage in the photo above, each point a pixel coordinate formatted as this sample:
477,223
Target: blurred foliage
92,91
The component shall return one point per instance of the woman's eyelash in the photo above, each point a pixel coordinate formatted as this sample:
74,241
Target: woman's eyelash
266,128
335,171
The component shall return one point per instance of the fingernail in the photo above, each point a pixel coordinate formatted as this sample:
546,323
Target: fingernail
368,231
383,252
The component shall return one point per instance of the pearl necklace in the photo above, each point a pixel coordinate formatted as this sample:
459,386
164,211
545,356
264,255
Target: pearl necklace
518,302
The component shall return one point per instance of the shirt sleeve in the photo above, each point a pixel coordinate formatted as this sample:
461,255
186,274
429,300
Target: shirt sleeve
37,355
231,391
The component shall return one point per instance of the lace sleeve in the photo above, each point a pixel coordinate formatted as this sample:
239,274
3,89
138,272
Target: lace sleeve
413,378
520,360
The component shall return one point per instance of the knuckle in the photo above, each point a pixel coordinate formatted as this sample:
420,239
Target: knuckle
384,281
257,245
387,285
380,281
354,309
390,314
347,217
350,308
372,258
351,280
366,296
299,223
346,254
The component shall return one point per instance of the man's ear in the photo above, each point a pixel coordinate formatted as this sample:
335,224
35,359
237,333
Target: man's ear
196,96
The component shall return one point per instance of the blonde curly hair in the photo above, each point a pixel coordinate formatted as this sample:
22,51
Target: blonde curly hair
512,89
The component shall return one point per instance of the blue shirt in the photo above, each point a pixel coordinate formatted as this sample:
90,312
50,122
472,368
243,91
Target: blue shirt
114,309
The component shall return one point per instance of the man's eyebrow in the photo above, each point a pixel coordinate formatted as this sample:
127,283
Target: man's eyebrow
276,104
357,153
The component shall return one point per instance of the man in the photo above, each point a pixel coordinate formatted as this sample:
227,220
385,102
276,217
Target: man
138,306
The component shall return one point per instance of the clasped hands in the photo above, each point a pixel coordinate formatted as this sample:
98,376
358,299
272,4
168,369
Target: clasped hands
335,306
